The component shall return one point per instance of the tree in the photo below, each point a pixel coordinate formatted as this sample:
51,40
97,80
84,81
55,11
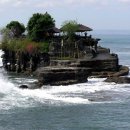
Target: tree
70,27
16,28
38,26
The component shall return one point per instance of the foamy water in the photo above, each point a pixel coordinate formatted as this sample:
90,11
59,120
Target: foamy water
92,105
56,95
94,91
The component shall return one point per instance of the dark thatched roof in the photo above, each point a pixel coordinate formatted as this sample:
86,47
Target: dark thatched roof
83,28
54,30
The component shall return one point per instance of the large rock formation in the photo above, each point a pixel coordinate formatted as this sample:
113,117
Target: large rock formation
121,71
116,77
64,72
62,75
119,80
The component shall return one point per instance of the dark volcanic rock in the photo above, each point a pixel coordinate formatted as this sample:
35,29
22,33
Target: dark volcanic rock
119,80
122,71
107,63
34,85
23,86
62,75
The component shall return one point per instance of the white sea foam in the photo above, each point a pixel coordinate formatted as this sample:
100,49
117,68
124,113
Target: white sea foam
95,88
71,94
68,94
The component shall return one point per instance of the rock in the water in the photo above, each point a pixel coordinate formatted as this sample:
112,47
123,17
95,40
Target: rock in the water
23,87
119,80
62,75
122,71
34,85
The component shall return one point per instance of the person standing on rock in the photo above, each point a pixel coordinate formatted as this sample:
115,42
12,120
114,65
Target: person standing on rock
93,51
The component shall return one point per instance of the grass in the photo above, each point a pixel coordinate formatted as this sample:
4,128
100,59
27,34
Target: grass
25,45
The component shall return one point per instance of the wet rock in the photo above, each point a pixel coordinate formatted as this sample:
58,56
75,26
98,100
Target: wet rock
62,75
101,64
23,86
122,71
119,80
34,85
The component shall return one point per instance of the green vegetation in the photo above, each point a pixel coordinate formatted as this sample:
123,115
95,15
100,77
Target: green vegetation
40,37
69,28
27,52
16,29
25,45
37,38
38,26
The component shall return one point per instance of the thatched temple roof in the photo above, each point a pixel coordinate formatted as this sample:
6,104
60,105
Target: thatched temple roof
83,28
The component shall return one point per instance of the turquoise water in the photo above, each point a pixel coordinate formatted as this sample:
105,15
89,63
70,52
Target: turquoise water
69,107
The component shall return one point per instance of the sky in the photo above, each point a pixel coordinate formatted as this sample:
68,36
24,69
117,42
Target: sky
97,14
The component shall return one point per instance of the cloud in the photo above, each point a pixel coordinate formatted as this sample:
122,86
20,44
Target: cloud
125,1
56,3
49,3
5,3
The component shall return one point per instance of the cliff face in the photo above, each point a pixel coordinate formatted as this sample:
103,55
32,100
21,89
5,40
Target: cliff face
64,72
62,75
101,65
102,62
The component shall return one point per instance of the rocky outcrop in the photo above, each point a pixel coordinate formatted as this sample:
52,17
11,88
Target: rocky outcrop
34,85
116,77
119,80
99,64
62,75
122,71
20,62
64,72
23,86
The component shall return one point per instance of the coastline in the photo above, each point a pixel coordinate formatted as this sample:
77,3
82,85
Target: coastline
87,62
94,104
104,65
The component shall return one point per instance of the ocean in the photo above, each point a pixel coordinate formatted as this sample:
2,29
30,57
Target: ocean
94,105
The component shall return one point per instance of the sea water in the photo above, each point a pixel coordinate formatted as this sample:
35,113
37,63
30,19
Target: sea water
94,105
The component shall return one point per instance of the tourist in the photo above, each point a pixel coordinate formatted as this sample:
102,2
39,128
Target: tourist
94,53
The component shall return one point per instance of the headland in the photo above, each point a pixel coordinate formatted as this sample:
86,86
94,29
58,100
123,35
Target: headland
57,56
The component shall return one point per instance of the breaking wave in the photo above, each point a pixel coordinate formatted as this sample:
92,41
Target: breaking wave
94,91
